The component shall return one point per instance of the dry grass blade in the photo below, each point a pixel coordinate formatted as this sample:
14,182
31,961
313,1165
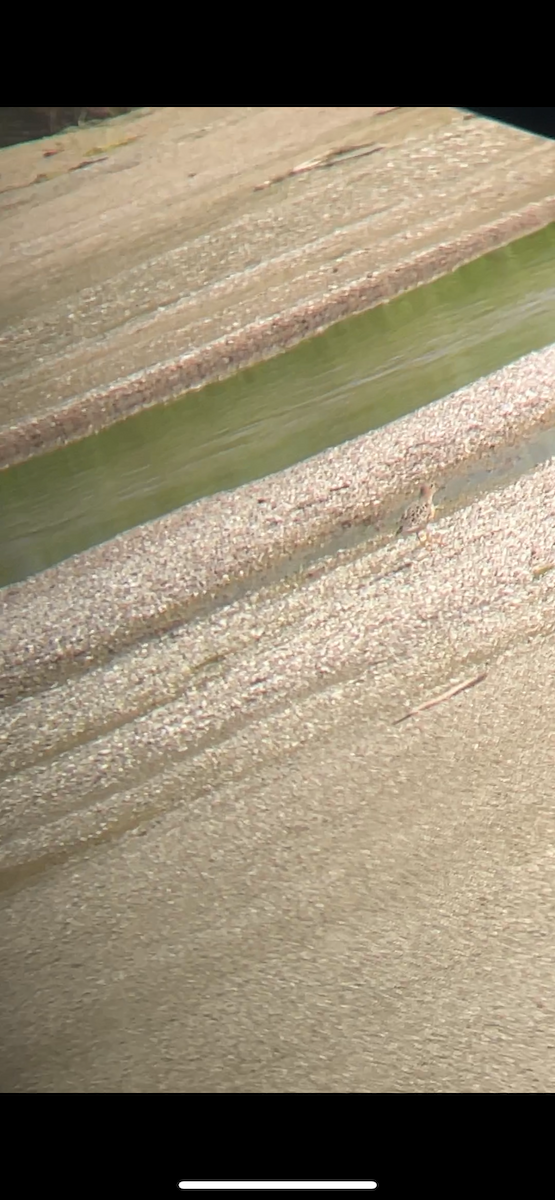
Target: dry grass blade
452,691
325,160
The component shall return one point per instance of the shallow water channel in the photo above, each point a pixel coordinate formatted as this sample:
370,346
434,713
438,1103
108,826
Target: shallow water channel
360,374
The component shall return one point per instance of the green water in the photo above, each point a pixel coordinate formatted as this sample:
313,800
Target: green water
362,373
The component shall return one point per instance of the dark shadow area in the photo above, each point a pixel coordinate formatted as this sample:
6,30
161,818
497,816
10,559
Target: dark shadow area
27,124
533,120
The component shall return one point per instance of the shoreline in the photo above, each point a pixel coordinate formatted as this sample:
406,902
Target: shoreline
157,576
144,739
163,267
97,410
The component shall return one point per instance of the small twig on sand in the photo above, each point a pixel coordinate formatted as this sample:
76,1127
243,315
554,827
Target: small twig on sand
453,691
325,160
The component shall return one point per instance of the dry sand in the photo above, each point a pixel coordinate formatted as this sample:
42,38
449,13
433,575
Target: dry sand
226,866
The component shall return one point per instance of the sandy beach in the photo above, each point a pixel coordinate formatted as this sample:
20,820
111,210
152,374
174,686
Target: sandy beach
226,863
